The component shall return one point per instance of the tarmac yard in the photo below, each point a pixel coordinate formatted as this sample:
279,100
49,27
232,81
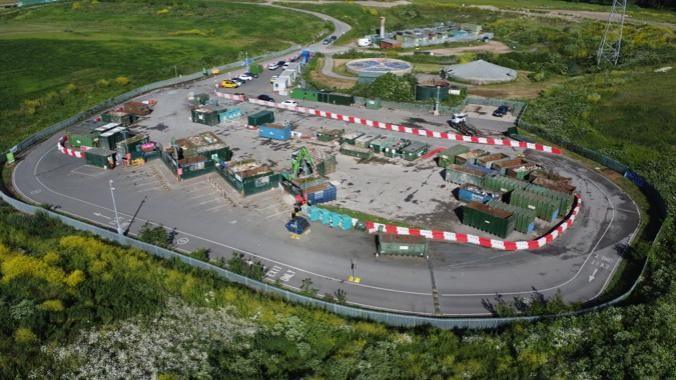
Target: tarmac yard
206,212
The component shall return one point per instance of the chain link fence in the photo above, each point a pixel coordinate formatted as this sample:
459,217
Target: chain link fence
45,133
388,318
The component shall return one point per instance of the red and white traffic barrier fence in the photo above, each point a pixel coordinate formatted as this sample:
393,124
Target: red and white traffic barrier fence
399,128
72,152
240,98
505,245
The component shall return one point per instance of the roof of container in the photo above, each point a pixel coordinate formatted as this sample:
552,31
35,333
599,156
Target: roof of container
490,210
463,169
492,157
407,239
248,168
275,126
511,163
203,141
100,152
113,131
414,146
481,71
332,132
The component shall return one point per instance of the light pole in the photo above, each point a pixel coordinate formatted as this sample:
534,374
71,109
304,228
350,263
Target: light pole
117,218
436,104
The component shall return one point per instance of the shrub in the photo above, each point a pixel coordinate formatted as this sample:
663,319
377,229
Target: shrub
122,81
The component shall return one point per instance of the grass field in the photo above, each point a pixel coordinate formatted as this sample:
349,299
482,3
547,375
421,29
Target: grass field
60,59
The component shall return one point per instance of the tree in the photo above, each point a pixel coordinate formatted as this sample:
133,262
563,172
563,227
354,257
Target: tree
156,235
307,288
392,87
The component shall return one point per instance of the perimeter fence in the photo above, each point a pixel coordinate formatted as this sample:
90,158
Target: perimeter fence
346,310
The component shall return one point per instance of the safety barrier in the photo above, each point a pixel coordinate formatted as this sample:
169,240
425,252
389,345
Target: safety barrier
388,318
398,128
461,238
70,152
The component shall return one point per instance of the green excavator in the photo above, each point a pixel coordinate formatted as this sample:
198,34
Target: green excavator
302,165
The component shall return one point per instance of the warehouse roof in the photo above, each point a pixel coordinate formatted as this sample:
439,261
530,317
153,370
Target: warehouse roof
480,72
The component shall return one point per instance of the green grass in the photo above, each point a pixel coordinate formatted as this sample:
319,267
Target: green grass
47,48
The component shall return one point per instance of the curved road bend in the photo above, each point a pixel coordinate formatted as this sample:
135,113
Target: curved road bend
455,281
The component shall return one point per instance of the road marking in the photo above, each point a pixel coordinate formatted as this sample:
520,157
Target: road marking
287,276
593,275
279,213
182,241
299,269
273,271
35,192
101,215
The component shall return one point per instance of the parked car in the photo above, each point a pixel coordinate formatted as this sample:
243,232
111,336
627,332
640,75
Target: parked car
273,78
290,102
228,84
458,118
273,66
501,111
265,98
326,41
285,65
333,38
247,76
237,80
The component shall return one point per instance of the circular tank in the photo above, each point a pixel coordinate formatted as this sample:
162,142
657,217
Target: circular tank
379,65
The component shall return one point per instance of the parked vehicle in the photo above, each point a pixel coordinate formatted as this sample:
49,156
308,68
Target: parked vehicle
501,111
297,225
245,77
333,38
228,84
327,41
273,66
237,80
364,42
285,65
290,102
458,118
265,98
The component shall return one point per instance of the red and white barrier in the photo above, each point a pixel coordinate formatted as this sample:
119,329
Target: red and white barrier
72,152
399,128
482,241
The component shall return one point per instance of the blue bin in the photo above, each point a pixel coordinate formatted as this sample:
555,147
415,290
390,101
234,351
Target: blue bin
346,222
326,217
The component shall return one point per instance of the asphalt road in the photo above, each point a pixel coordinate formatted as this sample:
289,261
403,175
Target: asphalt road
455,280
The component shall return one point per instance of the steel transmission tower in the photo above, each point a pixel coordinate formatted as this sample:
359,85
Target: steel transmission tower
609,50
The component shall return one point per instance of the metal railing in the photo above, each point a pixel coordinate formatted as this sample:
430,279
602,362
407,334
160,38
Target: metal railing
388,318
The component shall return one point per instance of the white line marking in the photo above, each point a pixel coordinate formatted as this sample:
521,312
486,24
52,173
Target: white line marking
208,201
216,207
593,275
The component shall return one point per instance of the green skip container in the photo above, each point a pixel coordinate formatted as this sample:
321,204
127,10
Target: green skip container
488,219
401,245
524,219
545,208
447,157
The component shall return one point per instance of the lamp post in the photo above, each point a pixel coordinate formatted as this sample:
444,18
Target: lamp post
117,218
436,104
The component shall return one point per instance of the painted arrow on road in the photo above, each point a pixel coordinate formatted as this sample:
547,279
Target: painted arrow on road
593,275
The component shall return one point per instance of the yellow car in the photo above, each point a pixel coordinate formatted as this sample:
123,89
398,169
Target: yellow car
228,84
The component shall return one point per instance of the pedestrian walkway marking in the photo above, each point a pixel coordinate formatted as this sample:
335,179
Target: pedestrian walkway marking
287,276
273,271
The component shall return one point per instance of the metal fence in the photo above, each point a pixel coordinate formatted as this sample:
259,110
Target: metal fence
392,319
45,133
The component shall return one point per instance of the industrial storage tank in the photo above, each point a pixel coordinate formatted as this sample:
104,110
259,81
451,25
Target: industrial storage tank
428,89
